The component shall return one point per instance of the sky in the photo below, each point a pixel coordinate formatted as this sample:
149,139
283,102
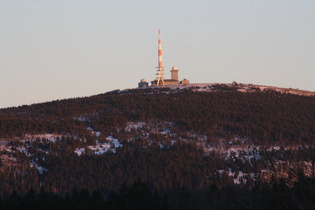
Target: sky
58,49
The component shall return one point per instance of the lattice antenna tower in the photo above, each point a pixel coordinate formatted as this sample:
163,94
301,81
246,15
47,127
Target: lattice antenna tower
160,71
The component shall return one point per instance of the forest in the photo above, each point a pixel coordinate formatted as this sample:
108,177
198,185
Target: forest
178,151
264,117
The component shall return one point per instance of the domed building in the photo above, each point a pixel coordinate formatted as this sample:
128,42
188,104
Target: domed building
143,83
174,73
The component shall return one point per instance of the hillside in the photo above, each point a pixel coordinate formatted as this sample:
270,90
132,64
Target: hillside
193,139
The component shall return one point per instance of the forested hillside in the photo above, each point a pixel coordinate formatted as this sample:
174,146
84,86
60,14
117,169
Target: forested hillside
177,148
264,117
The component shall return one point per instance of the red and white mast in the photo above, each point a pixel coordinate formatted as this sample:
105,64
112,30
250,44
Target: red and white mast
160,71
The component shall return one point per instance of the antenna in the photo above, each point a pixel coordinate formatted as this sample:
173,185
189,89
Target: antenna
160,77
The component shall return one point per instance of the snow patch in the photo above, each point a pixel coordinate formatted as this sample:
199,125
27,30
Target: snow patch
101,148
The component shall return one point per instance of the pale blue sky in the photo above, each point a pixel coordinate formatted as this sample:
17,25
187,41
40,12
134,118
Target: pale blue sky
56,49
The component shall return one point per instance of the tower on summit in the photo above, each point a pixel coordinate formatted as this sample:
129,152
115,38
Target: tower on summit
174,73
160,71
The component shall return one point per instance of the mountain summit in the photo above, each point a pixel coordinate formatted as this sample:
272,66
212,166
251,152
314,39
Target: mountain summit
197,139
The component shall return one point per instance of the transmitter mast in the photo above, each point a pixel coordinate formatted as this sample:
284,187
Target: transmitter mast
160,71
